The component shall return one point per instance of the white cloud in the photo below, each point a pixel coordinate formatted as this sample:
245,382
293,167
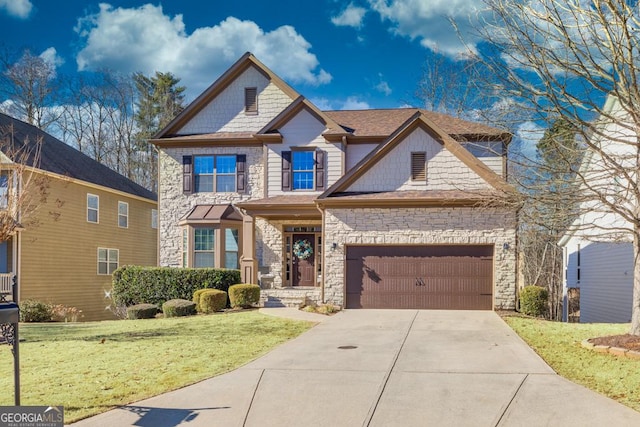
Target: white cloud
145,39
323,104
383,87
527,136
350,17
352,103
51,56
17,8
428,21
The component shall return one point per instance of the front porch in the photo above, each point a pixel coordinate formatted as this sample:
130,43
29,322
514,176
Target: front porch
288,256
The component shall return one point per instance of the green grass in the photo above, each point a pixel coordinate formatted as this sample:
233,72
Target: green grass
559,345
91,367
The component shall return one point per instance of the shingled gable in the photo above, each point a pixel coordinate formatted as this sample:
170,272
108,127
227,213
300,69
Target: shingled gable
247,60
418,120
61,159
270,132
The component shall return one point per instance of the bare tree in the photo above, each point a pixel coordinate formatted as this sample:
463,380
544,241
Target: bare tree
99,120
30,84
22,189
560,59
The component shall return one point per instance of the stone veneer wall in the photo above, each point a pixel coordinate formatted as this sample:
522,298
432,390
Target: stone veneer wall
421,226
173,205
270,246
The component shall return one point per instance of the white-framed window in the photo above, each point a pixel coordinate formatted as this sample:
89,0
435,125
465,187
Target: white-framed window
203,248
93,208
107,260
214,173
231,247
303,167
123,214
154,218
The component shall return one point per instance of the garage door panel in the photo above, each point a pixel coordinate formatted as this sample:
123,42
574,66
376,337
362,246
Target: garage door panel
415,277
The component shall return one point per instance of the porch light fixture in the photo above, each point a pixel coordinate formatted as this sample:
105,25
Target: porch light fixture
505,246
334,245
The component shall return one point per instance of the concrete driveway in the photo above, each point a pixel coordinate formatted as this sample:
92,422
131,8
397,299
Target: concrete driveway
386,368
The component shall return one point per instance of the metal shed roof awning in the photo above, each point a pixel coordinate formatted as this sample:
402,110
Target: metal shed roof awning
207,214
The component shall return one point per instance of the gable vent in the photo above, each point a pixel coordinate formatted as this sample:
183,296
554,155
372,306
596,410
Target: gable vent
419,166
251,100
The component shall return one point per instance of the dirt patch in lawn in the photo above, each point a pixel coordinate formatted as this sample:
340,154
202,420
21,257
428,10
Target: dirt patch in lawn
630,342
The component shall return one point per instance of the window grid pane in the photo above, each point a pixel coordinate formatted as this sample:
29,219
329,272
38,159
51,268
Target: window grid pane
302,166
93,204
123,214
203,245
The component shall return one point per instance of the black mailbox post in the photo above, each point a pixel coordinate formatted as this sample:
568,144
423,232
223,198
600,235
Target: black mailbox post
9,318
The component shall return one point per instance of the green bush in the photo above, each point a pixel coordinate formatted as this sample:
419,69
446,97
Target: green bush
196,297
156,285
533,300
244,295
142,311
35,311
178,308
213,300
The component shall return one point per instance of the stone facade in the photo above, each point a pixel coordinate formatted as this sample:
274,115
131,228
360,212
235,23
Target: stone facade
173,204
421,226
270,245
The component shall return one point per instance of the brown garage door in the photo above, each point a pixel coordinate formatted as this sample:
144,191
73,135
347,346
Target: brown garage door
420,277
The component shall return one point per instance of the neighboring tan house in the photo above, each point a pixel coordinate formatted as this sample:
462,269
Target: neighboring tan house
93,221
597,251
362,209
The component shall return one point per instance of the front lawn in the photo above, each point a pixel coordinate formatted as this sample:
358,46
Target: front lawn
91,367
559,345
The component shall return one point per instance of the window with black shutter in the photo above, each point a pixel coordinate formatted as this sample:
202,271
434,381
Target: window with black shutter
187,174
241,173
286,171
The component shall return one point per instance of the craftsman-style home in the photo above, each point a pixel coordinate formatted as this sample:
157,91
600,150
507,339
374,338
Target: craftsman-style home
395,208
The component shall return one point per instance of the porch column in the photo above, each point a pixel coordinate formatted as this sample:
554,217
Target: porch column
248,263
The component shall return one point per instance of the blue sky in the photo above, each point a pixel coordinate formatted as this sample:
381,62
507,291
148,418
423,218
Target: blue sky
340,54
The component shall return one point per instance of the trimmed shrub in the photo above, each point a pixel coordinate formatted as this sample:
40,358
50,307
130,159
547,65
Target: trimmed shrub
35,311
142,311
213,300
533,300
156,285
196,297
178,308
244,295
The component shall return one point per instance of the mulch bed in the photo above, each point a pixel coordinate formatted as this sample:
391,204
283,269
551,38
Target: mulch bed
630,342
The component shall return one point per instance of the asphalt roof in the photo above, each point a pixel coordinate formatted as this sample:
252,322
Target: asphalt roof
384,122
62,159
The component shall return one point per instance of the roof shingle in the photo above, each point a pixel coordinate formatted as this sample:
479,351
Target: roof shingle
62,159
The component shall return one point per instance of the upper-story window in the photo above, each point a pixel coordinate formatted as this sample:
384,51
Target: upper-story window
303,170
220,173
302,165
251,100
4,191
123,214
93,207
215,174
